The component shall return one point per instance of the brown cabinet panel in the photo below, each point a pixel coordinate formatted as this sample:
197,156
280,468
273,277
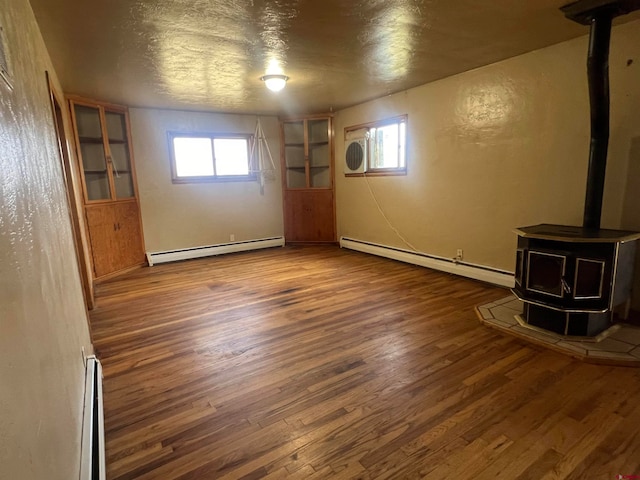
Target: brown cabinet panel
101,224
116,239
130,242
309,216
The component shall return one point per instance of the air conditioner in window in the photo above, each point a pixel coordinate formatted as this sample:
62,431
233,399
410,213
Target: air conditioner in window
355,156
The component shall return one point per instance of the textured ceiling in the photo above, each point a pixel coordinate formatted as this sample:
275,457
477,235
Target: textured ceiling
209,54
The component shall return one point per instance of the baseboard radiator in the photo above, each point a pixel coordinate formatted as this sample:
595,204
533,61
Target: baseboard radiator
211,250
92,458
449,265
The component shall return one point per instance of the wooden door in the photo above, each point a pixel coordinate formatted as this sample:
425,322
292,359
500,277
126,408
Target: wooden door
116,238
73,198
309,216
102,226
129,235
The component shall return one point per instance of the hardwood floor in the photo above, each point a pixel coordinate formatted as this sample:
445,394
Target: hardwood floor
316,362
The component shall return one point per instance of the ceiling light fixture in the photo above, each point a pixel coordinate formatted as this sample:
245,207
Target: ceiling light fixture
275,82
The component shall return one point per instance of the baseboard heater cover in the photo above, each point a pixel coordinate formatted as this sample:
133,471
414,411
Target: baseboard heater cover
92,457
211,250
464,269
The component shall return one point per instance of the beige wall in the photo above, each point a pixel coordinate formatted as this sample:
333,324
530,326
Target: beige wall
499,147
43,323
197,214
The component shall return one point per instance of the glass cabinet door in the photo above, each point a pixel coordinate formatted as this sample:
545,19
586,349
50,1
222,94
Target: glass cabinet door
94,162
294,154
307,153
119,150
319,155
105,151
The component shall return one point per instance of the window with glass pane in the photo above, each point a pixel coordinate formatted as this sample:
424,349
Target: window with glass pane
387,146
387,149
209,157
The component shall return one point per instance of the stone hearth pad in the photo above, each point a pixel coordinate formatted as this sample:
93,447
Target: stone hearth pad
619,345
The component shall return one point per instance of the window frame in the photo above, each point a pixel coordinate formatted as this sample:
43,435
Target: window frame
171,135
386,171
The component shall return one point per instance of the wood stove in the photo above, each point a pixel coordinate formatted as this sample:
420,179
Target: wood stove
571,279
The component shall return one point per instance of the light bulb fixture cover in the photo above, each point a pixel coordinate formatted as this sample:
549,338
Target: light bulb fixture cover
275,82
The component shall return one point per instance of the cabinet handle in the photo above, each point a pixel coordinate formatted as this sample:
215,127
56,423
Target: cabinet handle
115,227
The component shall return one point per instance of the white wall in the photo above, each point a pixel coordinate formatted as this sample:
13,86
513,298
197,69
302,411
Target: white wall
43,322
179,216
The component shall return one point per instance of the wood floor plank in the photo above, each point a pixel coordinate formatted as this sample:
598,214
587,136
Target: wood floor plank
317,363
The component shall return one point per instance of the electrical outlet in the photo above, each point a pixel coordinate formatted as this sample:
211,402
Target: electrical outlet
459,254
232,237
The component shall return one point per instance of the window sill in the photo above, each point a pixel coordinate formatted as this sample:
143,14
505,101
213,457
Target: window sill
222,179
379,173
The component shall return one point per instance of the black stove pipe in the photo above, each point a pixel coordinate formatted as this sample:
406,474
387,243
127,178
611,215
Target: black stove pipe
599,14
598,76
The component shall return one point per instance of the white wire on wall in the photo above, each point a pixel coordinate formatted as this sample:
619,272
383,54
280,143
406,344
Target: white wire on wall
394,229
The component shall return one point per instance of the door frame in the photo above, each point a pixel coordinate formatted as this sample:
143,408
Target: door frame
83,259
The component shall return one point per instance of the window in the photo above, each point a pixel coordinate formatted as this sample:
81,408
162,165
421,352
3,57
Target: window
209,157
386,146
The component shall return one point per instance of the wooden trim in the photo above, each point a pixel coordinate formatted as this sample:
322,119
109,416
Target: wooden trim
132,162
283,177
305,136
90,102
379,173
107,153
66,162
107,201
111,275
332,162
76,141
98,205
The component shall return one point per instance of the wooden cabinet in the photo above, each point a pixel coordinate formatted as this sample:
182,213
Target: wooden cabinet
103,146
307,179
114,232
